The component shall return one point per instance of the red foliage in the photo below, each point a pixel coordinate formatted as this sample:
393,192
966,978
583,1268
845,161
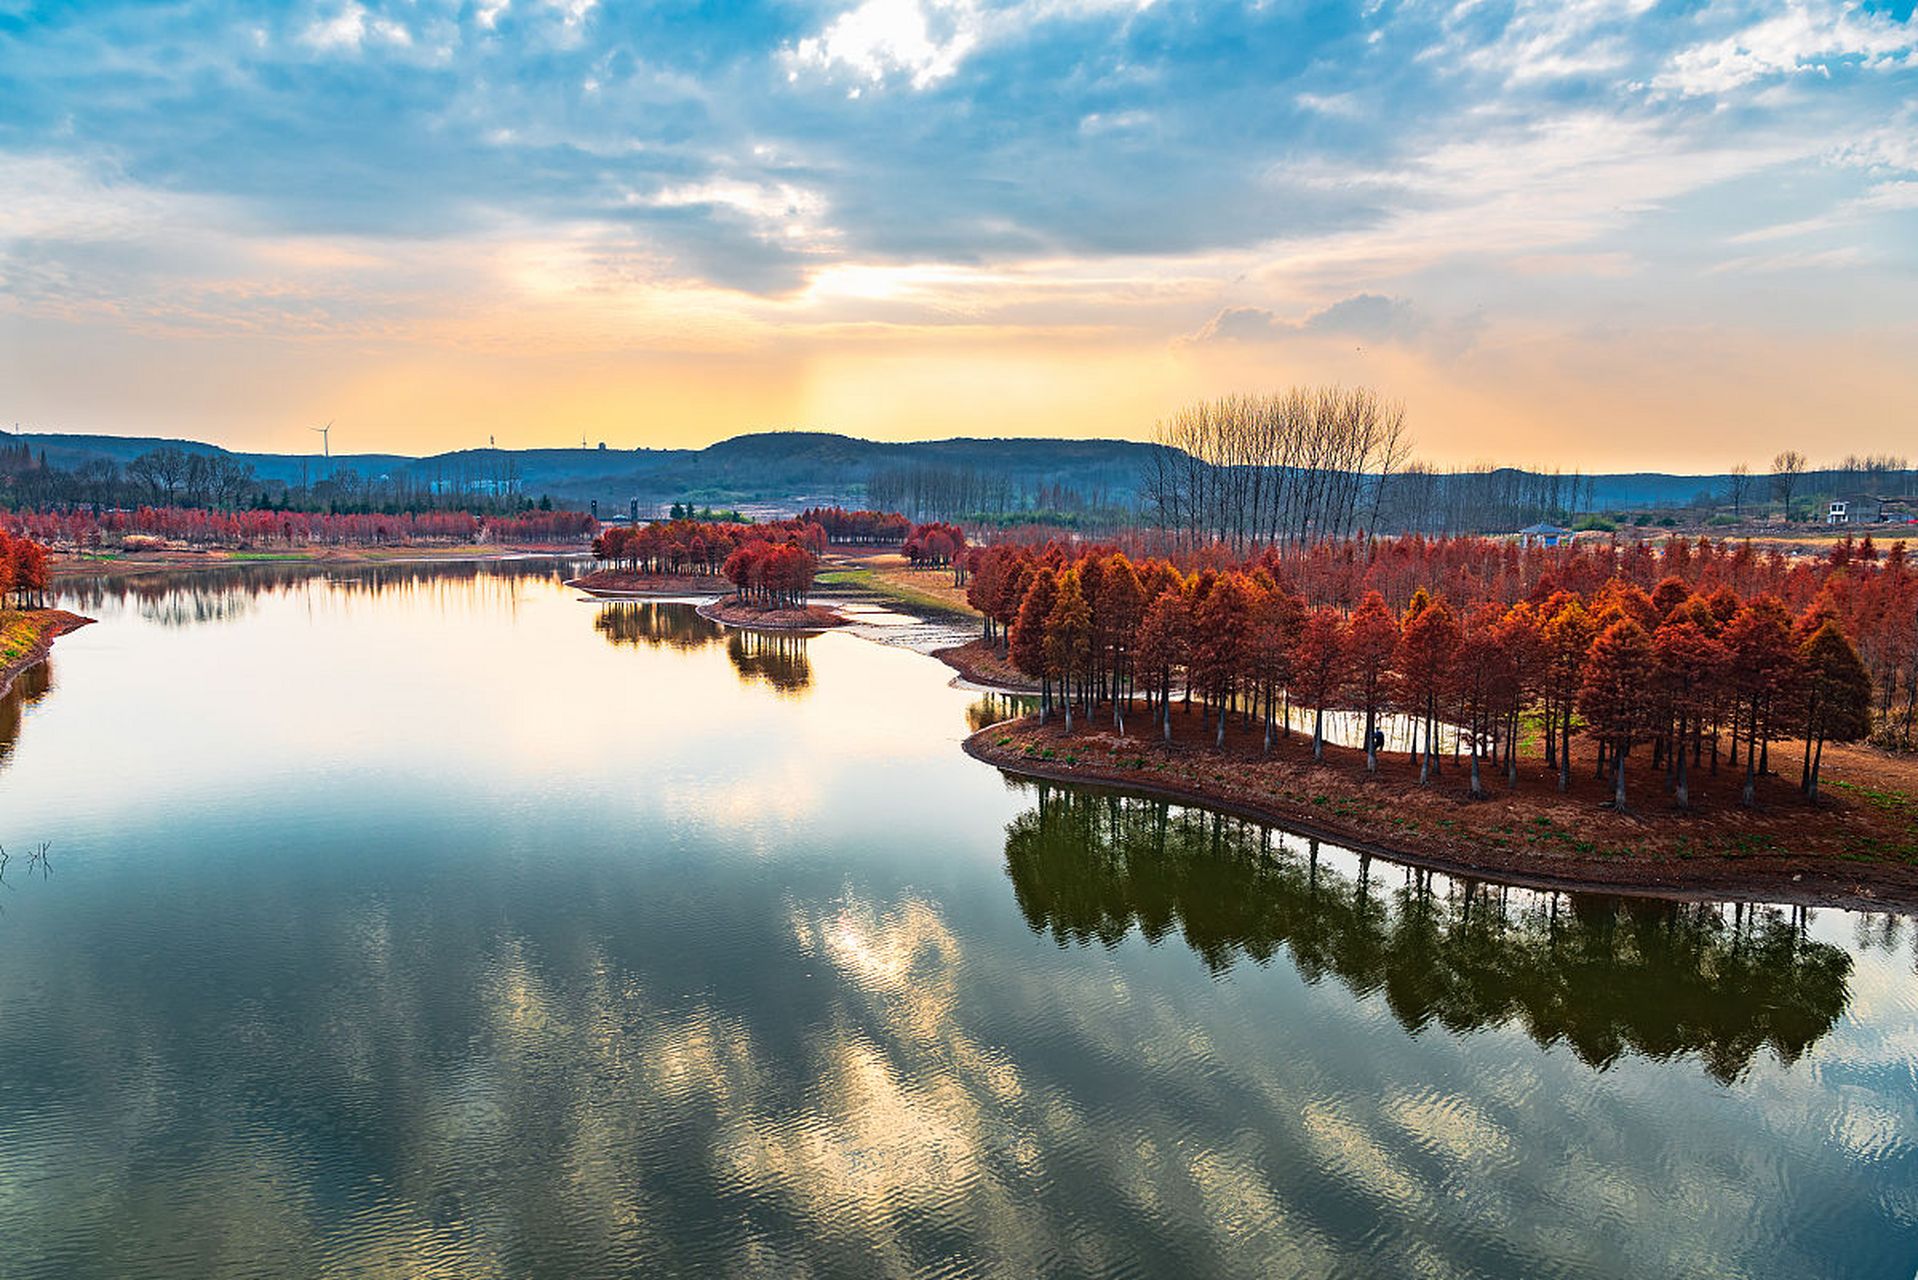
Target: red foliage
199,527
935,544
23,570
697,547
1490,632
841,525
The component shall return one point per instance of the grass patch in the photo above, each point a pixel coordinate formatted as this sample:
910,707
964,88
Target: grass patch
19,633
867,580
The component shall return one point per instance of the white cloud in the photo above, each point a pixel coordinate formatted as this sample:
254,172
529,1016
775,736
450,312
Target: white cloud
1803,260
1806,36
1886,197
1554,39
780,211
1098,122
349,29
927,40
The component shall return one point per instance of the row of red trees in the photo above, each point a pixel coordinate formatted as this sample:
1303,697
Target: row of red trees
841,525
83,531
23,570
936,543
772,575
1502,641
697,546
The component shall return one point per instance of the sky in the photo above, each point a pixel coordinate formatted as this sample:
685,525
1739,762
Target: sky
1609,234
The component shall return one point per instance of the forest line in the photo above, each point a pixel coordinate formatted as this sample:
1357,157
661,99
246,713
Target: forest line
1697,649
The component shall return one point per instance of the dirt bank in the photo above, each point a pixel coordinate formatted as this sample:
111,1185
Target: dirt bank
1858,848
979,662
27,636
735,613
616,584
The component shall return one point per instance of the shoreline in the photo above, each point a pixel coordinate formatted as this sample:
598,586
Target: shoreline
68,567
609,585
729,613
1819,880
980,668
58,622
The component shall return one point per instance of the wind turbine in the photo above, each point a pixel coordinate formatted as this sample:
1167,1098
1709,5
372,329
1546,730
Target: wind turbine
326,439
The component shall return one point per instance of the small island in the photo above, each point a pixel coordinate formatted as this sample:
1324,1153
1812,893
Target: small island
770,567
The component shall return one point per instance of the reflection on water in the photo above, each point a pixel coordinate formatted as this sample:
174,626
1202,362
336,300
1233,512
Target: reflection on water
28,688
991,708
442,923
651,624
224,592
776,659
1607,976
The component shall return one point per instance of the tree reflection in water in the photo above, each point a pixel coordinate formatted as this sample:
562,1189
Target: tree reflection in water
775,658
227,592
28,688
1606,976
652,624
991,708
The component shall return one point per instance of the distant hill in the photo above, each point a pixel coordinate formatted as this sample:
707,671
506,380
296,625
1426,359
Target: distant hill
784,469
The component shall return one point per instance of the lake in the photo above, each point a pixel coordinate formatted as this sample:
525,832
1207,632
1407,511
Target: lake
431,920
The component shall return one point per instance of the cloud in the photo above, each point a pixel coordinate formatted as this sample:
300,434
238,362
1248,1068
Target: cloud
1804,37
350,27
1367,315
1072,172
925,41
1370,316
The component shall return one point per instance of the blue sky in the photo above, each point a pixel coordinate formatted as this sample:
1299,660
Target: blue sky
1576,233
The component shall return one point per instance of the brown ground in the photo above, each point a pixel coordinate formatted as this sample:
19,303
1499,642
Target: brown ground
614,582
1858,847
27,635
738,613
895,575
979,662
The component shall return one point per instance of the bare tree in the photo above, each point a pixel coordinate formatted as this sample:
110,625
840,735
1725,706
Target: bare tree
1786,468
1297,465
1738,488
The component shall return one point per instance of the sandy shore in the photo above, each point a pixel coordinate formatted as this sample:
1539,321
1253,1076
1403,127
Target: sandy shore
1858,850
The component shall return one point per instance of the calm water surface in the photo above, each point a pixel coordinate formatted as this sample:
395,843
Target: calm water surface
435,922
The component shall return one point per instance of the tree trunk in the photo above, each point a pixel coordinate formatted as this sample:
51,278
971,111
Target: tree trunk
1318,733
1565,756
1618,776
1684,782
